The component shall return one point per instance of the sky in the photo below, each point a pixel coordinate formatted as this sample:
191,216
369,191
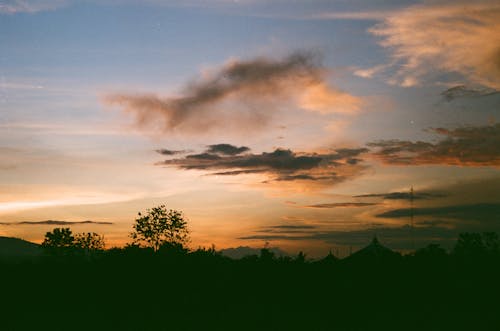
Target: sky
302,125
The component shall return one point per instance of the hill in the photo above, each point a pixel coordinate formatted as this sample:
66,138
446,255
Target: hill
14,247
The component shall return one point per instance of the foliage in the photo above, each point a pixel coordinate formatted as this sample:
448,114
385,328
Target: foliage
160,227
477,244
89,241
58,238
62,239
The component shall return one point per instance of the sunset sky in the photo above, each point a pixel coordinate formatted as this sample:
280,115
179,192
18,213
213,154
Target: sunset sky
303,124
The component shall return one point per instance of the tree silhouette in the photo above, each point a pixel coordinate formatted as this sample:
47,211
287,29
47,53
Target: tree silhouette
477,245
89,241
58,238
160,227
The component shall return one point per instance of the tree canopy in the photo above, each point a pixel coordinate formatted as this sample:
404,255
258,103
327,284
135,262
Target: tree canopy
63,238
59,238
160,226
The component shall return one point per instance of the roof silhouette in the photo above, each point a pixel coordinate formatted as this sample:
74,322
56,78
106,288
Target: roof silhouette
374,251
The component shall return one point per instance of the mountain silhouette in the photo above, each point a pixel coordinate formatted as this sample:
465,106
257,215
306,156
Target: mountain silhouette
14,247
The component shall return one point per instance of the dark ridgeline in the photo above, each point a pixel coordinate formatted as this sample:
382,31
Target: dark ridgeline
136,288
157,284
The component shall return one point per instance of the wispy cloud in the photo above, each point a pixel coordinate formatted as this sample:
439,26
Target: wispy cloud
467,212
279,165
462,91
457,37
29,6
399,237
348,15
466,146
257,86
54,222
341,204
404,195
169,152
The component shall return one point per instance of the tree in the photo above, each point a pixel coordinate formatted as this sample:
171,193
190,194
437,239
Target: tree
89,241
159,227
58,238
431,252
477,244
63,240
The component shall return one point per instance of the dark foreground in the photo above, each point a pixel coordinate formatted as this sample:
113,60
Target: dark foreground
137,289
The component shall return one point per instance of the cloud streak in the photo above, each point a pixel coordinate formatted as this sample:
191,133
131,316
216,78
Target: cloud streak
341,204
481,211
399,237
279,165
169,152
239,95
458,37
465,146
54,222
462,91
403,195
29,6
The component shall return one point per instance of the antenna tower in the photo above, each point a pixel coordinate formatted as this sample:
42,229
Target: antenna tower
411,220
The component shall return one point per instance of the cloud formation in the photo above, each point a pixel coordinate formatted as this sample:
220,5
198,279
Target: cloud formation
342,204
403,195
480,212
53,222
455,37
29,6
170,152
254,87
399,237
465,146
227,149
279,165
462,91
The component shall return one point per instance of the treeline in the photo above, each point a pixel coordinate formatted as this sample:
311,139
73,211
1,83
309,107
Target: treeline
155,283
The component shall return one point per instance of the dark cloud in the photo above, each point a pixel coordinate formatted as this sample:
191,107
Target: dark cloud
237,172
462,91
477,212
169,152
227,149
342,204
404,195
256,85
53,222
279,165
291,227
465,146
400,237
287,229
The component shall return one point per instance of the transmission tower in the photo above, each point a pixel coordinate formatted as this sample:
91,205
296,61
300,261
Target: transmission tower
411,220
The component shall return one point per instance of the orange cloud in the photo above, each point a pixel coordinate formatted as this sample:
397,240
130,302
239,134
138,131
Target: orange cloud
467,146
239,95
324,99
460,37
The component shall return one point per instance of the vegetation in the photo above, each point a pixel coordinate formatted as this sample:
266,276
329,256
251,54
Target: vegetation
61,240
159,285
89,241
160,226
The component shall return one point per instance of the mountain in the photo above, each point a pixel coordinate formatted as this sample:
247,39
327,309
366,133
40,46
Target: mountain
14,247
